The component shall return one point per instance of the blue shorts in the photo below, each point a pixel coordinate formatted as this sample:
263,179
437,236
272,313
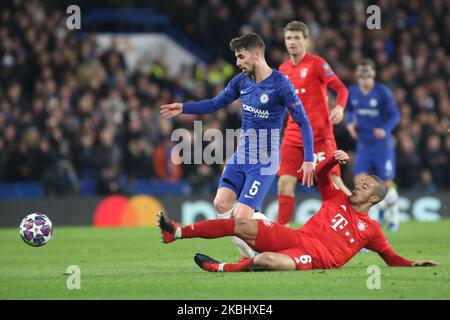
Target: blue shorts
379,162
247,182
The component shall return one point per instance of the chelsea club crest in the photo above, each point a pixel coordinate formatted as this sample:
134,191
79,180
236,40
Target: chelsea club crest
264,98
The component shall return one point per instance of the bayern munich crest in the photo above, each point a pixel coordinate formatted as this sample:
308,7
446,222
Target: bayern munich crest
264,98
362,226
268,223
303,72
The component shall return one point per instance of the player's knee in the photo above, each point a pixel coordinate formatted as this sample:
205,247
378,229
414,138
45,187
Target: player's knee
286,185
222,205
265,260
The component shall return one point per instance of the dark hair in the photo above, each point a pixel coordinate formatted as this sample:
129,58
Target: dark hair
366,62
380,189
297,26
247,42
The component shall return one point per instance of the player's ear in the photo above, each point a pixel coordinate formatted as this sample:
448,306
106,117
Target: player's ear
257,54
374,199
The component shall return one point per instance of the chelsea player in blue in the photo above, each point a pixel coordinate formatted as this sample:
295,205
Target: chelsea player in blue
265,94
371,117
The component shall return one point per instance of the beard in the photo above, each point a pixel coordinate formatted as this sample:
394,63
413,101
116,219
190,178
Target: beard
249,71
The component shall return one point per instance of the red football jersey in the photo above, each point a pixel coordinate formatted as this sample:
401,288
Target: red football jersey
337,232
310,77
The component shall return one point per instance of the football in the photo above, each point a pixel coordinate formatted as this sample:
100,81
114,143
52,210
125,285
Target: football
36,229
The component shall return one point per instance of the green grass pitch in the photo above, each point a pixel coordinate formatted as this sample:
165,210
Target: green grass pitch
133,264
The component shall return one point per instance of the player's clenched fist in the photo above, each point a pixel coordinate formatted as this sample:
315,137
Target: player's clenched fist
171,110
341,156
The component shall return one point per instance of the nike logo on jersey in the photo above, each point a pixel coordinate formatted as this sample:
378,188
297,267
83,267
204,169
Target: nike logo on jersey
247,196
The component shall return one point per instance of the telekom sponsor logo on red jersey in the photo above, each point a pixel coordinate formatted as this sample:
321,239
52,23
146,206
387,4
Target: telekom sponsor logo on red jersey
339,222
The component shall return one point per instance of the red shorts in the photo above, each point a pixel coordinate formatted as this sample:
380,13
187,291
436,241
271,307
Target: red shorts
292,157
274,237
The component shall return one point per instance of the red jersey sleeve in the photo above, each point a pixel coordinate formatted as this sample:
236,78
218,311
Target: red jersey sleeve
380,245
324,182
328,76
324,71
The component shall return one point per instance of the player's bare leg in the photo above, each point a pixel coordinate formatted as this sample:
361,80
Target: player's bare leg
224,201
243,211
391,206
286,198
340,184
274,262
269,261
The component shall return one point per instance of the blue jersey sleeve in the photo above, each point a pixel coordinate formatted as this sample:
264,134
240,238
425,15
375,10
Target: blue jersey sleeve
227,96
349,110
289,98
391,115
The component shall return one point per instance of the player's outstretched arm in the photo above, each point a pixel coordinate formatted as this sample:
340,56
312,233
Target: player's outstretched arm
380,245
425,263
171,110
227,96
394,260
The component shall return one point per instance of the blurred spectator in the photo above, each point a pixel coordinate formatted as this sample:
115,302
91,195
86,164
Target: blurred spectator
447,154
72,113
435,159
408,162
110,181
141,165
165,167
62,180
425,183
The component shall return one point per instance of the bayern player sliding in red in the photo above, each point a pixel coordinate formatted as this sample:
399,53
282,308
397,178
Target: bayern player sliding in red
328,240
311,76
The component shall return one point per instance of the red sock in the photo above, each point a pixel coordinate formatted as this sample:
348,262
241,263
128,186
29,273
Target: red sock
244,265
285,208
209,229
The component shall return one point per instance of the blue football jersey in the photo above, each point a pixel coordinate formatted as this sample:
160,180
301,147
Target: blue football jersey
376,109
264,107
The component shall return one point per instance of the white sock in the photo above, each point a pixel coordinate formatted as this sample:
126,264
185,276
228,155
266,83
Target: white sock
391,200
177,234
225,215
260,216
243,247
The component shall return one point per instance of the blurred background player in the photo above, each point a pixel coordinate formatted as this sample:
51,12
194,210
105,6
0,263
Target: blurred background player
310,75
371,117
264,93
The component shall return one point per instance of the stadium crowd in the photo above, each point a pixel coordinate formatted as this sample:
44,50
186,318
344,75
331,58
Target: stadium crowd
72,114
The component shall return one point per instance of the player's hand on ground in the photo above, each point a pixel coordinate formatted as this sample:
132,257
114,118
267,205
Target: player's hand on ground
337,114
379,133
341,156
425,263
351,127
171,110
308,173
